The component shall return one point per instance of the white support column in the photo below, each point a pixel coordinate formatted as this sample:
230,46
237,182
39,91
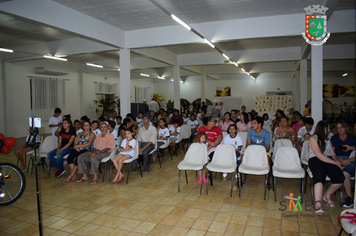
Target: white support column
317,83
296,99
125,82
203,88
176,86
303,91
81,93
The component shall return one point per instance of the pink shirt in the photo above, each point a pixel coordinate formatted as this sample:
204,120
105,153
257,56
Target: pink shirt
108,141
224,126
242,126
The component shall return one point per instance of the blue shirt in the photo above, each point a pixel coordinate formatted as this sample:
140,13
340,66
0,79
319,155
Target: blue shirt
336,141
259,139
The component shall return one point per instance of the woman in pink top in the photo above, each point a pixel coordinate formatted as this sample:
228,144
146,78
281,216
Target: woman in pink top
224,124
244,125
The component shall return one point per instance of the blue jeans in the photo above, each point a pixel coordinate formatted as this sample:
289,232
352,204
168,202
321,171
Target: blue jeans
192,134
59,162
237,156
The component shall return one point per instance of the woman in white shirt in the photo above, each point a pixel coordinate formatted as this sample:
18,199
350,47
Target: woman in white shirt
127,151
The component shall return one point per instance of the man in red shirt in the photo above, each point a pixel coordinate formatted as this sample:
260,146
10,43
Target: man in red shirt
176,116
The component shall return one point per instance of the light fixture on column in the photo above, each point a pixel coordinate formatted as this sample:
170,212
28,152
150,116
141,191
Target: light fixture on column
161,77
181,22
145,75
210,43
94,65
172,79
344,74
118,69
6,50
181,82
55,58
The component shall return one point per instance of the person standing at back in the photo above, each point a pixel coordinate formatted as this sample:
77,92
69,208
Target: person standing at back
154,105
55,120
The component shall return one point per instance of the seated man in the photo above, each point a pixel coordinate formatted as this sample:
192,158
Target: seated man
147,138
258,136
104,144
176,116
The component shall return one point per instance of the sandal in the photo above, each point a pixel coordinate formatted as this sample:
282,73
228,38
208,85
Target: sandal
319,211
93,182
81,180
331,203
120,180
114,181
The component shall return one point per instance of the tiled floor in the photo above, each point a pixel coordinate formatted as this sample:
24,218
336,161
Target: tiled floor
152,206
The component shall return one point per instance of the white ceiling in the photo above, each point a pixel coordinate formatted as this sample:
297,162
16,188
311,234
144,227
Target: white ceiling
131,15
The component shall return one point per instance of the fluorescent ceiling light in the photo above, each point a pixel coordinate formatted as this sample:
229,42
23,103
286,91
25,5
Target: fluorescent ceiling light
55,58
160,77
181,82
344,74
6,50
210,43
118,69
236,64
226,56
146,75
181,22
247,73
253,78
242,69
172,79
94,65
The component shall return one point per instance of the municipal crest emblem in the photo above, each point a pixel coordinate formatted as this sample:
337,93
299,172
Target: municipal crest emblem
316,25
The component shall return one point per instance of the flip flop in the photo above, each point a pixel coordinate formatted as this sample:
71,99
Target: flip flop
114,181
331,203
93,182
120,180
81,180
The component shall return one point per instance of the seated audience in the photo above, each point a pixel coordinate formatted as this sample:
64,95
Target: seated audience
284,131
125,125
244,125
65,146
118,122
65,117
162,138
127,151
234,139
31,144
104,144
113,116
226,122
147,138
343,143
291,113
258,136
234,116
214,134
308,128
196,106
204,107
174,134
215,111
193,123
55,121
322,164
114,132
82,144
176,116
266,119
153,118
94,127
185,118
306,110
202,140
139,117
77,127
275,122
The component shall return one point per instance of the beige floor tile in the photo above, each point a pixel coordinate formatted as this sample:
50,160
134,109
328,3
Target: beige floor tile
193,213
255,221
326,229
235,229
170,220
87,229
180,211
271,232
218,227
253,231
60,224
201,224
208,215
271,223
289,233
176,231
142,215
161,230
194,232
115,222
145,227
101,219
290,226
120,232
102,231
156,218
130,225
185,222
223,217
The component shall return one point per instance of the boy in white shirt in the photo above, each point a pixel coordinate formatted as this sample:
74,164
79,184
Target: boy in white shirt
174,135
193,123
113,131
55,120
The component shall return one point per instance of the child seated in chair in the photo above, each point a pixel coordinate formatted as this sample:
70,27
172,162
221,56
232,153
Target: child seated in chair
162,138
127,151
202,140
234,139
30,145
174,132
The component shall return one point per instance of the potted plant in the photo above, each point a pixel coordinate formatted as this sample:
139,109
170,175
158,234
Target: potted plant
107,103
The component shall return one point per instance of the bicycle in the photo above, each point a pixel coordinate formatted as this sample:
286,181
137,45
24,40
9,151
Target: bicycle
12,183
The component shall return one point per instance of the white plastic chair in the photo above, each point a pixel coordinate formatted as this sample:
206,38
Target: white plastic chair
267,127
254,162
350,228
287,165
49,143
224,134
224,161
305,154
185,133
127,161
109,158
243,136
195,159
151,152
280,143
164,146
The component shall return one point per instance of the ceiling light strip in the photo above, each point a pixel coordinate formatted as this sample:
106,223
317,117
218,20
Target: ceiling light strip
6,50
145,75
181,22
55,58
94,65
209,43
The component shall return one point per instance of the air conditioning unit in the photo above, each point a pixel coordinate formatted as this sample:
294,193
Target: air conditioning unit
48,71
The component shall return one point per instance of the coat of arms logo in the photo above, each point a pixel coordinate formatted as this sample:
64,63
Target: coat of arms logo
315,25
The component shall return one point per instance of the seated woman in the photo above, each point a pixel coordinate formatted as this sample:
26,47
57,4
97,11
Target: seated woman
30,145
244,125
225,122
127,151
284,131
322,164
266,119
162,138
82,144
65,146
153,117
275,123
